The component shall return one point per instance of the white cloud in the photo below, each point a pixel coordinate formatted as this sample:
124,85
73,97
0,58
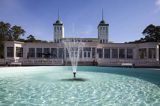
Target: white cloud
157,3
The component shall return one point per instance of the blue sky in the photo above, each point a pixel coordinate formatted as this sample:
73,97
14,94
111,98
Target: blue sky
127,18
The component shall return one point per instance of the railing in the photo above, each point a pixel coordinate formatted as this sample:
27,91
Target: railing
104,62
42,62
136,62
81,59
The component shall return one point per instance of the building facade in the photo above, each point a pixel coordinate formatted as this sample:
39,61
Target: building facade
97,50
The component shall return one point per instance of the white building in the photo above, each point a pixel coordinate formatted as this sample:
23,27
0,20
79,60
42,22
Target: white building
96,49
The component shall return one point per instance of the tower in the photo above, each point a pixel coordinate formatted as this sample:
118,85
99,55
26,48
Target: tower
58,30
103,31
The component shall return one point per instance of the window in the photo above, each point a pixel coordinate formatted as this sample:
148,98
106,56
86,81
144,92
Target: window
19,52
100,52
39,52
31,52
142,53
67,53
114,53
54,52
106,53
80,53
151,53
87,52
60,53
46,53
100,41
121,53
129,53
93,52
10,52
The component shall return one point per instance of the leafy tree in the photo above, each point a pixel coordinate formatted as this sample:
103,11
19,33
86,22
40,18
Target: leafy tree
31,38
4,35
4,31
152,33
8,33
17,32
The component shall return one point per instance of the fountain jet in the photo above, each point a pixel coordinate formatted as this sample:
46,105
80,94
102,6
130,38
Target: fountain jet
73,49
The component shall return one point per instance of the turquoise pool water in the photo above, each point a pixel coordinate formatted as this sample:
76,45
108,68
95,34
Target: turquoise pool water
102,86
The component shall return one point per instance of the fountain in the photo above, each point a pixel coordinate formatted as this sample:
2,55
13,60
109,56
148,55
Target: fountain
73,51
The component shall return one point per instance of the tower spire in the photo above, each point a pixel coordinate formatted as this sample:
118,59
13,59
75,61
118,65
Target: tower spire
58,14
102,13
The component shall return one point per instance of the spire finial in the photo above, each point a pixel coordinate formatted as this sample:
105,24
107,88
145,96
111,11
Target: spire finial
102,13
58,14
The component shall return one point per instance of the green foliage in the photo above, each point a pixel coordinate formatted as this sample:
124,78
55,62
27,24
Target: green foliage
31,38
151,33
4,31
9,33
17,32
4,34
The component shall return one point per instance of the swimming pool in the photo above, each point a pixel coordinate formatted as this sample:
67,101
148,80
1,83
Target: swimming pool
101,86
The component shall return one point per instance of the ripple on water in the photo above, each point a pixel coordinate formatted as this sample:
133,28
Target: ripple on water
96,89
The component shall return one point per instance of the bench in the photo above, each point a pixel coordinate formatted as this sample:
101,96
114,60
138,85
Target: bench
15,64
127,64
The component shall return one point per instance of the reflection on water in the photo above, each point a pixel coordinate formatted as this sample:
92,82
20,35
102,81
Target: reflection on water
94,86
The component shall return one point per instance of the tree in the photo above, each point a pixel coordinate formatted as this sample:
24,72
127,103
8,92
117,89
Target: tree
4,31
8,33
17,32
152,33
31,38
4,35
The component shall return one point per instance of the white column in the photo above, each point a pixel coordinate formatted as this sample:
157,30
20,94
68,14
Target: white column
5,52
157,53
103,52
35,52
91,52
25,52
82,54
147,54
118,52
125,52
96,55
110,52
135,53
